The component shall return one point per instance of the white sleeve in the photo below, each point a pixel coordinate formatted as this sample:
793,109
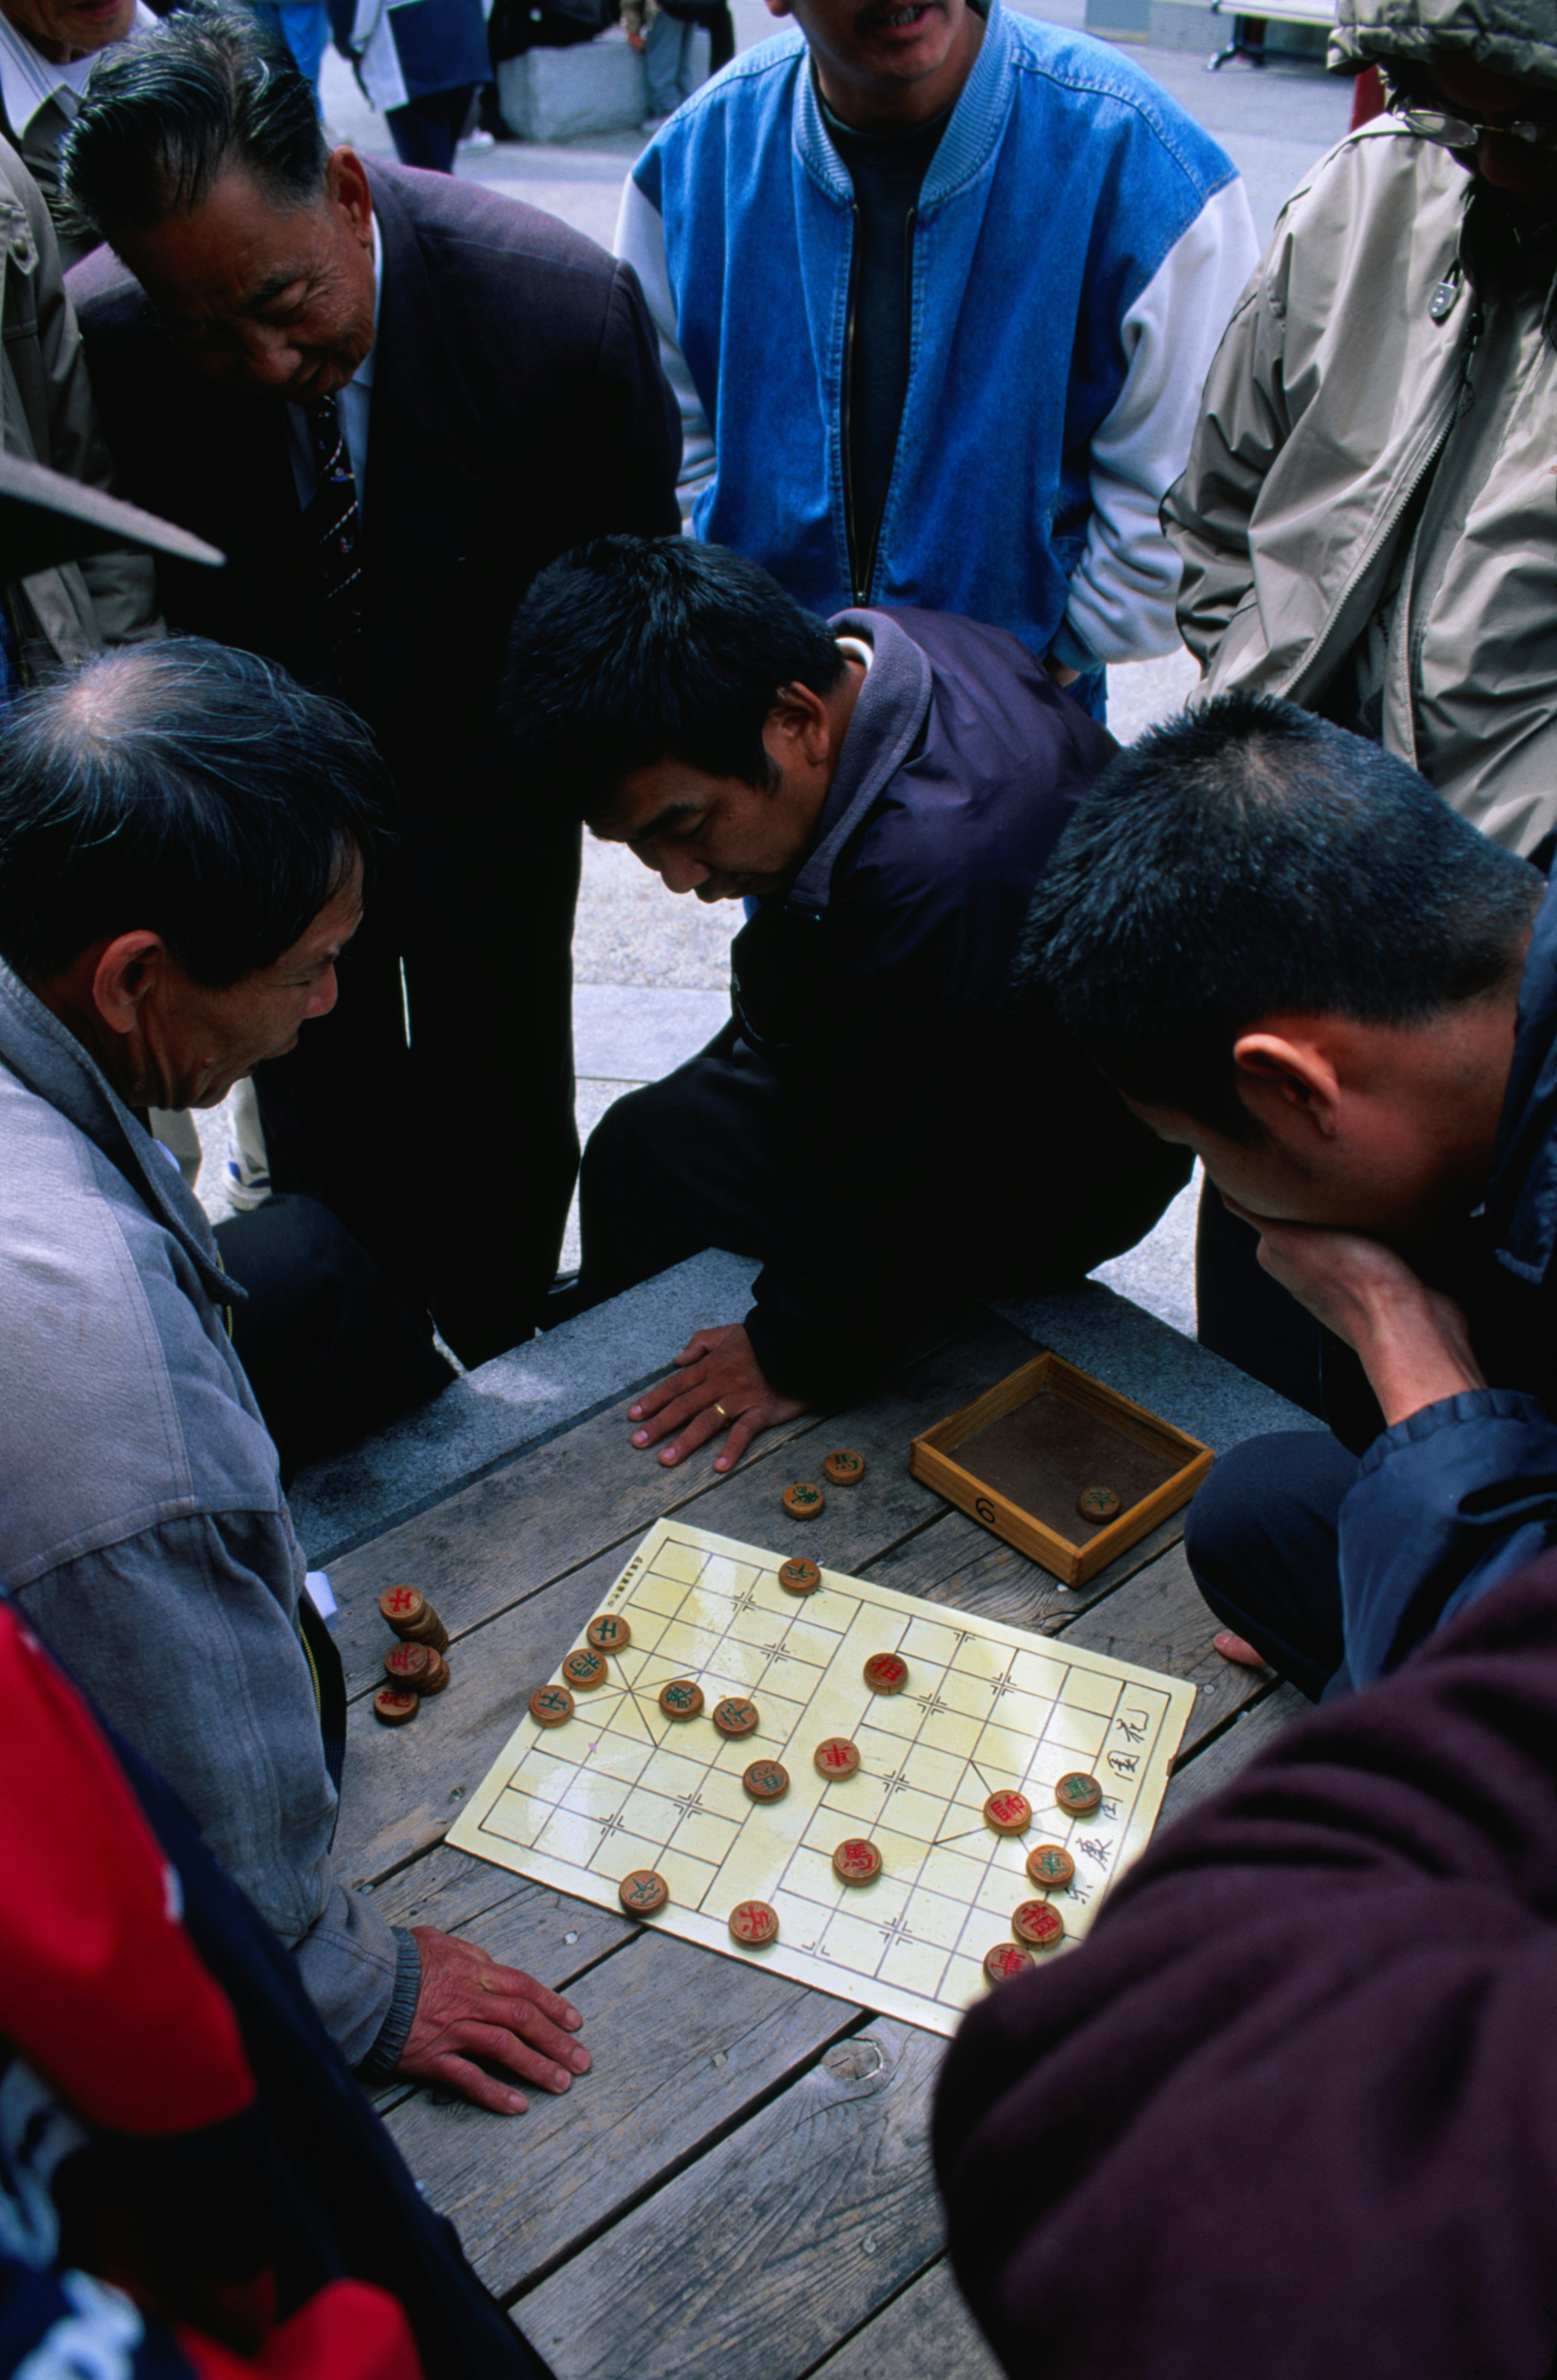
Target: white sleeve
1123,590
640,242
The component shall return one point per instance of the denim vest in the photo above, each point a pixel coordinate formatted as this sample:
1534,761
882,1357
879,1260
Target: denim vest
1063,181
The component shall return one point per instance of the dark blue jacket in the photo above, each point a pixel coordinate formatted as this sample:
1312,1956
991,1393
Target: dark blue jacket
1462,1494
930,1139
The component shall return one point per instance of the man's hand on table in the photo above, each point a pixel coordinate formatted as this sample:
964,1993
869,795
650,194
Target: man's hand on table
718,1381
469,2007
1414,1343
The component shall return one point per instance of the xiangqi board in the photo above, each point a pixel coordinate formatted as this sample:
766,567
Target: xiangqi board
986,1709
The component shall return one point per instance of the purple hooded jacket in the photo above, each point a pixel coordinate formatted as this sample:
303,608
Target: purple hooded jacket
1291,2112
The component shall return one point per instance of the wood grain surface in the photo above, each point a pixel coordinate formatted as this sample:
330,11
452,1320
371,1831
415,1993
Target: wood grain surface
926,2333
676,2061
783,2238
741,2185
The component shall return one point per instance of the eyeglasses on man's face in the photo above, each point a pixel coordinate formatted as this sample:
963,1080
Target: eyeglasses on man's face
1433,118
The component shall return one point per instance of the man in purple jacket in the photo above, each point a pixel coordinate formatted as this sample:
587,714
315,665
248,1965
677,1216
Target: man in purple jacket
884,790
1292,2108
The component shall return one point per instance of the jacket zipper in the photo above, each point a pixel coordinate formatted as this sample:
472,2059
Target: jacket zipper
1414,638
909,221
860,580
849,528
1385,529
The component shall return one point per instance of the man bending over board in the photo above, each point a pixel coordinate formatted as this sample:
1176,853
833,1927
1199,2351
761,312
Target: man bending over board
884,790
186,842
1293,957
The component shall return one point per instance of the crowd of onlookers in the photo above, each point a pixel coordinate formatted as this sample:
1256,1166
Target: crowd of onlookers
935,371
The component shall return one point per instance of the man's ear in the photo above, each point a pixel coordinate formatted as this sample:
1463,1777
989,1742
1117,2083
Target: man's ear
126,973
799,728
779,7
346,183
1287,1079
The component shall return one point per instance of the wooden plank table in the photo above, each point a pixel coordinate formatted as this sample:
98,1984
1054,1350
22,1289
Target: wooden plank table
741,2187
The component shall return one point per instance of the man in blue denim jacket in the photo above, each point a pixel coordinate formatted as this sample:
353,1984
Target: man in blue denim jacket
937,288
1289,954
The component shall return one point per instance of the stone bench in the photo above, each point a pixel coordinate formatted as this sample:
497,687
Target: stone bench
481,1423
595,87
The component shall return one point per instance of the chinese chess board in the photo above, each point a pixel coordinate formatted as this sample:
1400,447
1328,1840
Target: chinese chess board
621,1786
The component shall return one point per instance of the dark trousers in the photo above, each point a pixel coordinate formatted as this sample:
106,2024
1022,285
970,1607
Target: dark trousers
452,1159
330,1350
682,1165
721,37
426,131
1262,1539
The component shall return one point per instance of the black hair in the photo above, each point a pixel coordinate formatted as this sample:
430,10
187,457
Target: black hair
1248,860
183,788
167,114
636,649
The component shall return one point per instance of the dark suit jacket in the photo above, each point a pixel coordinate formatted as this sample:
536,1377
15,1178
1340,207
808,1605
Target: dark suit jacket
518,408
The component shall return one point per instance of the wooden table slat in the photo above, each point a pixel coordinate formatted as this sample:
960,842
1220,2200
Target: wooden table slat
1250,1733
735,2187
960,1562
505,1538
526,1924
1159,1619
675,2060
751,2264
926,2333
401,1782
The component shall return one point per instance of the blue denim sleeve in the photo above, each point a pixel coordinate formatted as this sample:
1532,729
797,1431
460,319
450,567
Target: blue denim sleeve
1447,1503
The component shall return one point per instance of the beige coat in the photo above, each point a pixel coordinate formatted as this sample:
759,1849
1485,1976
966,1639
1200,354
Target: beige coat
1374,479
47,415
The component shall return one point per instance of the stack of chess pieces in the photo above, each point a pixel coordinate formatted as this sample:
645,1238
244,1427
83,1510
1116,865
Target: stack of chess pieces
416,1667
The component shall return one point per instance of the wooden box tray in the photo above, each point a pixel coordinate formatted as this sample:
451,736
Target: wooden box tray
1027,1448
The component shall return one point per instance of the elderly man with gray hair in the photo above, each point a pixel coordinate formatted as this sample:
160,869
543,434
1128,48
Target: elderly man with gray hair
186,841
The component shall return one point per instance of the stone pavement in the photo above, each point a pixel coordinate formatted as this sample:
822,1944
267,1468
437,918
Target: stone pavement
651,970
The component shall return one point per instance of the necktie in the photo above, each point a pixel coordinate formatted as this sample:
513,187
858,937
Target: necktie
333,527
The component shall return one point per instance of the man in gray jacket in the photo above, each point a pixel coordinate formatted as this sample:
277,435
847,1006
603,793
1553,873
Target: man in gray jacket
69,609
185,840
1367,521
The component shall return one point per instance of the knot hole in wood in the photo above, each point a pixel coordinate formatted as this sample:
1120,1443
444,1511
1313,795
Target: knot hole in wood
854,2061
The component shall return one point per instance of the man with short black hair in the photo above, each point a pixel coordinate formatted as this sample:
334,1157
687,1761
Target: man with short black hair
186,838
885,788
389,399
1293,957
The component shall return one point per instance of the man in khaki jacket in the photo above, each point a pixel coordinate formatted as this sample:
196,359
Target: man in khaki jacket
47,416
1368,521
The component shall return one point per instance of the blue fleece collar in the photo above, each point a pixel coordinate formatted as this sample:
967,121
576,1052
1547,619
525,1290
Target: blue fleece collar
966,145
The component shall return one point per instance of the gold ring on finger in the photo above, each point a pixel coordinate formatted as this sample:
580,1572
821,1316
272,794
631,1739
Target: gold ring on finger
720,1411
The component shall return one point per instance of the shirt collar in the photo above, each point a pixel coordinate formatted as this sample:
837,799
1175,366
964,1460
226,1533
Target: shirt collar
29,80
363,376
